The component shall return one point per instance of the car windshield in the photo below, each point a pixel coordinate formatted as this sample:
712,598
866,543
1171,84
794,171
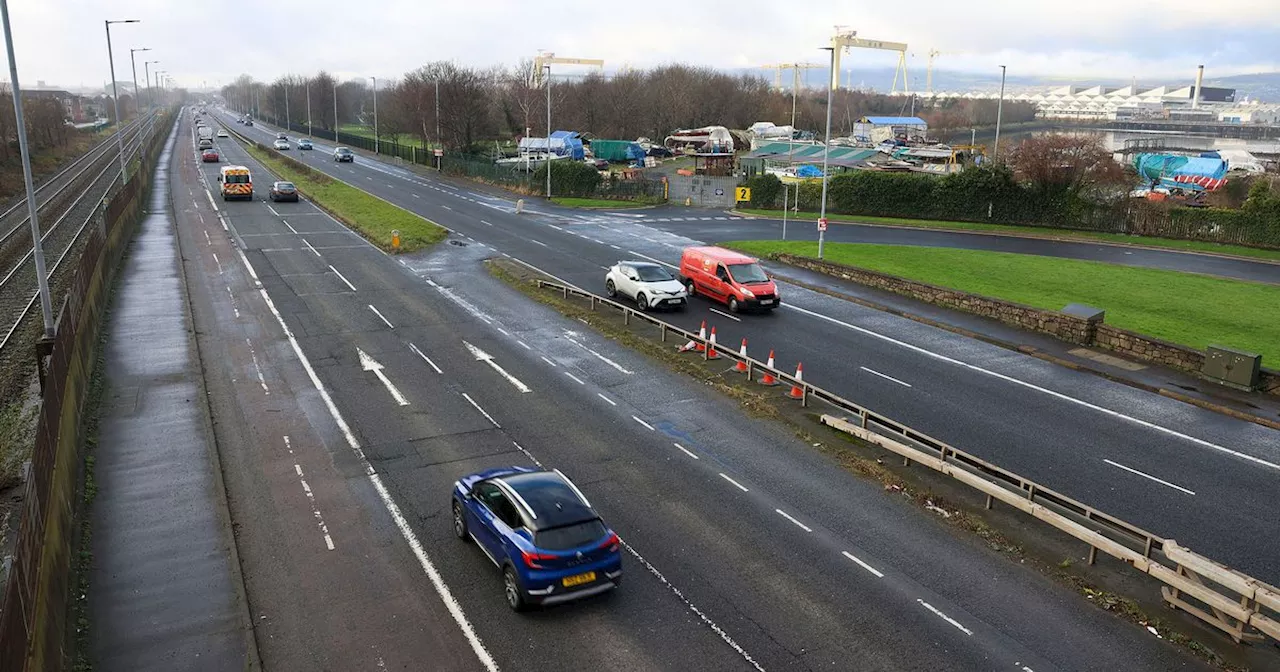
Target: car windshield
284,186
745,273
569,536
343,150
653,273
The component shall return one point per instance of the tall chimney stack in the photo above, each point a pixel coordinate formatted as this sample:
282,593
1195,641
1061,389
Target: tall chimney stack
1195,95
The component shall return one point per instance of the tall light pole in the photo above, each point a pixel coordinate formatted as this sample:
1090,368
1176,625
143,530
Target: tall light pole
151,96
547,159
42,277
308,107
335,110
995,149
287,126
439,140
375,115
826,151
115,98
134,65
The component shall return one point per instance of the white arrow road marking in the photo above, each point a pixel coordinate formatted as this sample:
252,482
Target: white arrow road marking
368,363
487,358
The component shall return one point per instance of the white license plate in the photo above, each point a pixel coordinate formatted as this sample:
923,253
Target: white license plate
766,302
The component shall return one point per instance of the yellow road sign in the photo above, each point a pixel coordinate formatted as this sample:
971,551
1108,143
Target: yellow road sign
742,194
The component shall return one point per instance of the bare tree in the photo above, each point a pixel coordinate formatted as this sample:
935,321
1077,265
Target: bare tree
1060,162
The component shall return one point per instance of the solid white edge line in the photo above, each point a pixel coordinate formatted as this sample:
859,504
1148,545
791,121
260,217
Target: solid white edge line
286,223
720,312
1157,480
686,451
397,516
646,425
575,378
425,358
1033,386
252,273
473,403
344,279
309,247
524,345
945,617
547,360
879,574
877,373
739,485
656,261
798,524
611,402
379,314
538,242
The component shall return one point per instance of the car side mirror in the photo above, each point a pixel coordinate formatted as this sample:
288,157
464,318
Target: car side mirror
219,178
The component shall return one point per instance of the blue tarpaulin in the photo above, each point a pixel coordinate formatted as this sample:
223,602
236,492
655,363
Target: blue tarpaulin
894,121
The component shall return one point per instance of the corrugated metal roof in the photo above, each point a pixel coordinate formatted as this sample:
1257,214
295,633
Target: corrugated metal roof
894,121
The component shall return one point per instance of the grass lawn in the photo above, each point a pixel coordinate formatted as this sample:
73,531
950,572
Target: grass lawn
595,203
373,217
1193,310
404,139
1170,243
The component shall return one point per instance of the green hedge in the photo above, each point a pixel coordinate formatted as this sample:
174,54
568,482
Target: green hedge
568,178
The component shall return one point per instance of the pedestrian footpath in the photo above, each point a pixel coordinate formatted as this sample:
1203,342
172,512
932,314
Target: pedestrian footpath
165,591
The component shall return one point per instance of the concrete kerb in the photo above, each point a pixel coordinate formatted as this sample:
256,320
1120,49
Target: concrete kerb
1030,236
254,659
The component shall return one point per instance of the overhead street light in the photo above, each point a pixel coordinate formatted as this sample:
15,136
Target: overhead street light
826,151
133,64
375,115
547,157
151,96
115,98
995,149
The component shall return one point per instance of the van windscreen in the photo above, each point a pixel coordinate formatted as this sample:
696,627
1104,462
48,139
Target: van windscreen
747,273
237,178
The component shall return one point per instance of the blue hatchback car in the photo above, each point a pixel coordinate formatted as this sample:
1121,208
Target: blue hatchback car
539,529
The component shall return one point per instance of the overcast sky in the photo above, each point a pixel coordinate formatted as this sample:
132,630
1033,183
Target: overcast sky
62,41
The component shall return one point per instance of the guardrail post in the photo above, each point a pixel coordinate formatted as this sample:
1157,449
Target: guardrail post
626,316
804,396
662,328
1093,555
750,369
989,500
592,298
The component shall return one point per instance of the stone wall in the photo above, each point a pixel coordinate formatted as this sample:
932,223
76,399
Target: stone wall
1146,348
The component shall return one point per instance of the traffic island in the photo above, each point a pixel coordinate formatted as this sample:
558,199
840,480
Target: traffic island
1110,585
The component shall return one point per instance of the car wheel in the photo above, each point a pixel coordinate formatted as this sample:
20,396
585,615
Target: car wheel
690,287
511,587
733,305
642,301
610,289
459,521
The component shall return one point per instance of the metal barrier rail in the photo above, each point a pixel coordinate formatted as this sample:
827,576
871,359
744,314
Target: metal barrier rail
1248,602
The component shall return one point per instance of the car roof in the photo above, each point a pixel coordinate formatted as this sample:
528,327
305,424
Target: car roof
722,255
552,499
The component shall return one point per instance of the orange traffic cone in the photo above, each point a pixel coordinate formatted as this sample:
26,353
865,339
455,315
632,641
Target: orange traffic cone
701,346
768,378
796,392
741,366
711,346
691,345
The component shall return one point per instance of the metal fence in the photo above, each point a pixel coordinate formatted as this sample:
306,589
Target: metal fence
33,626
410,153
1243,607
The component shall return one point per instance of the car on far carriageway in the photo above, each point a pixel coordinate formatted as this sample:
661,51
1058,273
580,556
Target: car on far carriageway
281,136
281,144
342,154
210,156
304,144
651,285
540,531
222,133
284,191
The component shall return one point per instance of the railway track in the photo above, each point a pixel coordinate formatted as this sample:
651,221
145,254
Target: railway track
69,203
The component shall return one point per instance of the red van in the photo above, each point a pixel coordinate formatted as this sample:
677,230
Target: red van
729,277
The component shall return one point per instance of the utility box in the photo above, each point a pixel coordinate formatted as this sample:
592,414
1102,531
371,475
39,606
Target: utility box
1233,368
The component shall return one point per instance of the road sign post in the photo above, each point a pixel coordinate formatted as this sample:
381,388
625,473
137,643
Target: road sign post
741,194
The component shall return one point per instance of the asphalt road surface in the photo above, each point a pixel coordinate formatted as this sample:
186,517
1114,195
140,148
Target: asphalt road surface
745,549
1180,471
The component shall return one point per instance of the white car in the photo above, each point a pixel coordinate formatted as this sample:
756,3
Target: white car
651,285
281,144
222,134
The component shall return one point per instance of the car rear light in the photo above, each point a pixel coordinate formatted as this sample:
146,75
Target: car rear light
611,543
531,559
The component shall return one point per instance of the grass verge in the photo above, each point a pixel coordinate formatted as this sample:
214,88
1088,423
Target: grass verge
371,216
1003,530
1193,310
1035,232
403,139
602,203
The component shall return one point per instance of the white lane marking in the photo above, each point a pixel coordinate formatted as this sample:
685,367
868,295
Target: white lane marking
879,574
646,425
614,246
207,239
1032,386
575,378
710,623
485,223
686,451
380,316
798,524
524,345
425,358
482,356
234,309
368,363
656,261
252,273
309,247
740,486
416,196
945,617
601,357
527,453
473,403
447,208
258,369
611,402
557,228
877,373
273,210
353,287
597,240
324,529
538,242
1157,480
721,312
286,223
547,360
502,331
219,263
210,195
466,305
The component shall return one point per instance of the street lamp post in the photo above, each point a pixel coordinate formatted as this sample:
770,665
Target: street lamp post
439,140
335,110
287,125
308,108
375,116
115,98
826,151
999,113
42,277
151,96
547,158
133,64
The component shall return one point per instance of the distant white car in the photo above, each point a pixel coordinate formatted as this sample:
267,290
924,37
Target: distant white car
222,134
651,285
281,144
